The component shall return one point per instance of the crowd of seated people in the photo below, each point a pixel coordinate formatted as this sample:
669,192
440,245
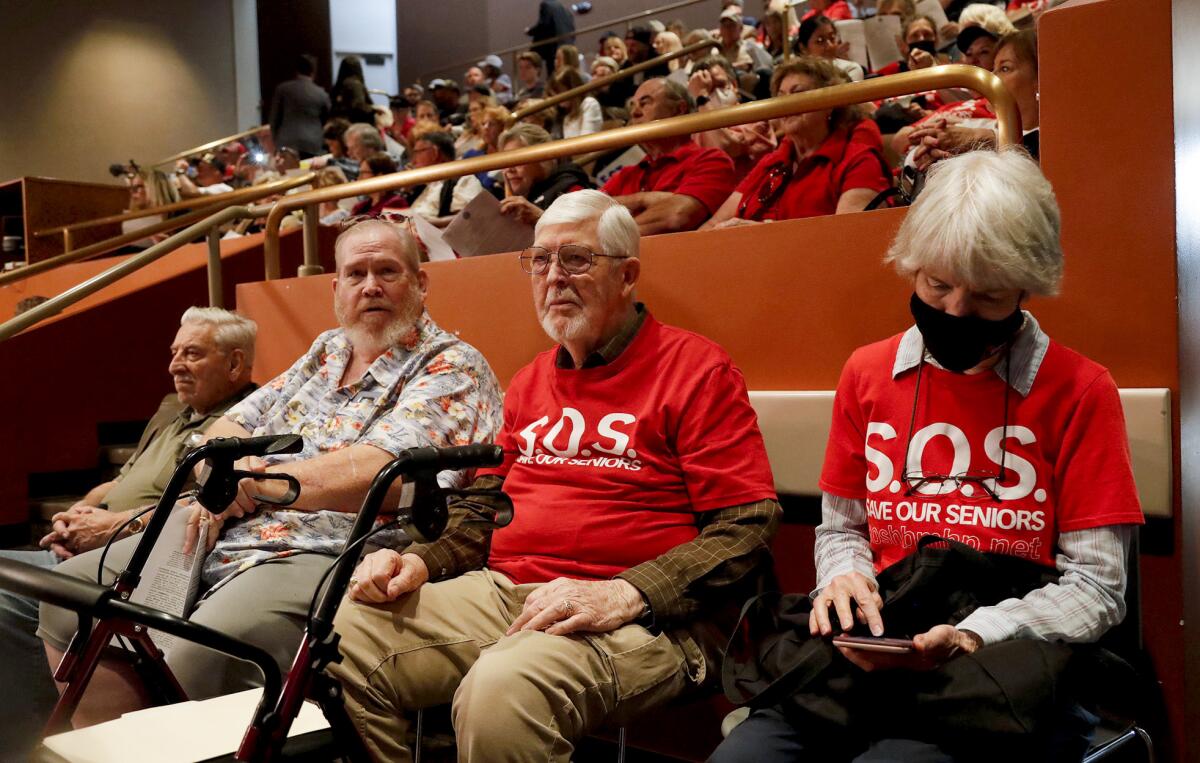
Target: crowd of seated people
519,673
893,141
781,170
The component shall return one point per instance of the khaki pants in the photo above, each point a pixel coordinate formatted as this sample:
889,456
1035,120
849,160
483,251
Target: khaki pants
526,697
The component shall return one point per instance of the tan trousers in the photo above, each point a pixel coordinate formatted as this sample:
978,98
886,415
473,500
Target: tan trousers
526,697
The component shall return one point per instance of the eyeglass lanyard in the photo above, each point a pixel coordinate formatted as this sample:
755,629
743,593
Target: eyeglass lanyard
1004,424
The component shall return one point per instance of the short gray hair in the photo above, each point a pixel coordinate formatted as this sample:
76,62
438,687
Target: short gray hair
411,251
988,219
368,136
677,93
529,135
617,231
230,330
991,18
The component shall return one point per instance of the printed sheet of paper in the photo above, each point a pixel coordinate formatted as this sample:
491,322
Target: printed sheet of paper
934,10
480,228
171,578
179,733
881,33
434,239
852,31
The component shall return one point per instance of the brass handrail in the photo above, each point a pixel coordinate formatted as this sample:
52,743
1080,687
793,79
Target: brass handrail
600,82
209,146
583,30
193,203
97,282
951,75
108,245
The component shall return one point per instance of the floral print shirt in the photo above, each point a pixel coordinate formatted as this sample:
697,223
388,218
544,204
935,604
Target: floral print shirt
430,389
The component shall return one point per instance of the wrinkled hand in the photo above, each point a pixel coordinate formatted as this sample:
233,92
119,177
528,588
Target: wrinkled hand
521,208
78,529
931,649
201,524
386,575
700,83
938,142
242,503
919,59
852,596
565,606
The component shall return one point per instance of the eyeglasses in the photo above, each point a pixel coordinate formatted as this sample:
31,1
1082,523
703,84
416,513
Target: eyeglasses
574,259
828,39
960,482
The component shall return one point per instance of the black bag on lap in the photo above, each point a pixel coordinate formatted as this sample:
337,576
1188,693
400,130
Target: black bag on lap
994,704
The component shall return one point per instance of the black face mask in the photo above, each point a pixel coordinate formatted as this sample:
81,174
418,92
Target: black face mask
958,343
929,46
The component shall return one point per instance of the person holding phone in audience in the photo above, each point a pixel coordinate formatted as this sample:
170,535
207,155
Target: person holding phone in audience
974,426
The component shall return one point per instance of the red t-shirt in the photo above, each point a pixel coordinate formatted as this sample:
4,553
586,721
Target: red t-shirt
607,466
837,11
1067,454
705,174
975,108
775,191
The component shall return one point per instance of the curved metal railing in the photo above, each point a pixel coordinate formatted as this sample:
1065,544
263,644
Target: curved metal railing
102,247
952,75
979,80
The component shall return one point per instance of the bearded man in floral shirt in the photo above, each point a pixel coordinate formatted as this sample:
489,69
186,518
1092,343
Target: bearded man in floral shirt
388,379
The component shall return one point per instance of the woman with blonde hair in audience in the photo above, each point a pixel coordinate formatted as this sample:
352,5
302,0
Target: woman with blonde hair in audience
492,124
828,162
666,43
614,48
580,115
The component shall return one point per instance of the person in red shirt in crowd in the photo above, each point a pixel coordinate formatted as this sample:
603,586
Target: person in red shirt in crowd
642,505
678,185
973,426
374,165
837,10
920,37
713,85
828,162
964,126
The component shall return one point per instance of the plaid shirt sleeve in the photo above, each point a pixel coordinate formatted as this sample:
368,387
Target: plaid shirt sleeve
464,544
729,547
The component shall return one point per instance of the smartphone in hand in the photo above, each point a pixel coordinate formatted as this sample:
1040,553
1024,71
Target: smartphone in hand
875,644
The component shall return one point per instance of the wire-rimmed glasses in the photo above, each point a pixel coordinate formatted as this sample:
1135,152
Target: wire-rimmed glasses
574,259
